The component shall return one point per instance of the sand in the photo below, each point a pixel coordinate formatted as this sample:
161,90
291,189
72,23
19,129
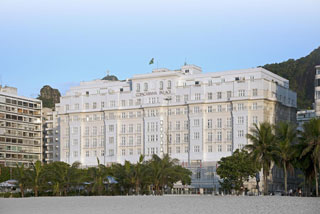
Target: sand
160,204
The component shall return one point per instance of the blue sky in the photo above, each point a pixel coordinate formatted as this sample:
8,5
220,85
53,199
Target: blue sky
63,42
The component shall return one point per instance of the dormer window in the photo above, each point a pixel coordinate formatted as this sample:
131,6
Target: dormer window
186,71
145,86
87,93
197,83
121,89
138,87
237,78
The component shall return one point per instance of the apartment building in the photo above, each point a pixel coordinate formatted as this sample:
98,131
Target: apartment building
20,128
50,124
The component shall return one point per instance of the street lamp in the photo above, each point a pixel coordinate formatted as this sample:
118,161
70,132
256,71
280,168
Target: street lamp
168,99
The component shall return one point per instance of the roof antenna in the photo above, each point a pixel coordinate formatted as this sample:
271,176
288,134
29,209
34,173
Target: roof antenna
185,61
108,72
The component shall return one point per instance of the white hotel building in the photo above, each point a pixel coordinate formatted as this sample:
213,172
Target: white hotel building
196,117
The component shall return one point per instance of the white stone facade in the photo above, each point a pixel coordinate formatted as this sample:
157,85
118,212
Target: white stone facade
206,117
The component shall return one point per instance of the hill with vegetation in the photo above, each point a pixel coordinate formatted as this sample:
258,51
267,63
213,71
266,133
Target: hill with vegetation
301,74
49,96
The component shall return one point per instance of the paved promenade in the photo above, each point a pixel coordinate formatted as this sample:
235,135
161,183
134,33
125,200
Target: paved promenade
160,204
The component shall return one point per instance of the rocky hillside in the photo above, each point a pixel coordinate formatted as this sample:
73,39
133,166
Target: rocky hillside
49,96
300,73
110,77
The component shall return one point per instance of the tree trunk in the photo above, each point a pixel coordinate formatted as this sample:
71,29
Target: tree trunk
36,191
316,177
137,187
265,181
285,178
21,190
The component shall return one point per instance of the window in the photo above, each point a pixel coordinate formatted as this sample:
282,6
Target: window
67,107
196,122
75,142
185,97
112,103
138,140
75,130
219,148
178,98
76,106
228,94
102,152
219,136
240,106
94,142
123,152
210,136
209,82
209,109
111,152
241,93
139,151
196,149
209,123
209,148
87,153
94,105
111,128
87,143
169,84
123,103
229,122
186,138
123,141
219,108
139,127
254,92
86,106
130,151
161,85
177,125
130,140
240,133
196,109
254,106
178,149
94,131
210,96
87,131
177,138
130,128
229,135
138,87
197,96
123,115
255,120
219,95
75,154
229,148
186,149
219,123
240,120
196,135
102,104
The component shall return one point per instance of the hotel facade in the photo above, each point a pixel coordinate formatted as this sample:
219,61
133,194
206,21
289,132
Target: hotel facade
195,117
20,128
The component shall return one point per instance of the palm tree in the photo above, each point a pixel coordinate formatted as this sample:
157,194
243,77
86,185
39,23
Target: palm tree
262,148
35,176
311,136
98,175
285,154
139,174
21,177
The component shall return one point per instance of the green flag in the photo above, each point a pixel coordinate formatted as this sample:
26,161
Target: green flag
151,61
